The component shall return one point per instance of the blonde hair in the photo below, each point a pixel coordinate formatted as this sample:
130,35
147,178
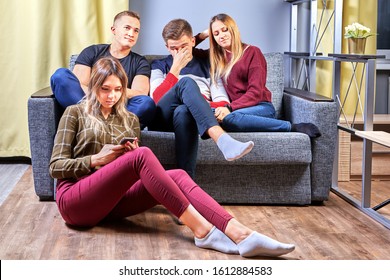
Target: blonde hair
219,68
101,70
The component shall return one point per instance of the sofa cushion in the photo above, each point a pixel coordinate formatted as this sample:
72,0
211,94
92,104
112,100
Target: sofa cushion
270,148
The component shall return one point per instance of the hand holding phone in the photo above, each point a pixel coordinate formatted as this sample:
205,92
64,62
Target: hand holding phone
127,139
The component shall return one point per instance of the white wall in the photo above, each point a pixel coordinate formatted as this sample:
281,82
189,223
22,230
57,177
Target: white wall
264,23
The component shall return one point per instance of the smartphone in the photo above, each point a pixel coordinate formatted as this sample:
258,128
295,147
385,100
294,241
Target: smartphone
125,139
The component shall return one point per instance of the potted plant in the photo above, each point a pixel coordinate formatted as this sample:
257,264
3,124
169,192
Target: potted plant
357,34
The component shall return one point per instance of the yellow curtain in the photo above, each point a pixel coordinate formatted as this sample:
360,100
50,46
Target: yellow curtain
38,36
325,46
364,12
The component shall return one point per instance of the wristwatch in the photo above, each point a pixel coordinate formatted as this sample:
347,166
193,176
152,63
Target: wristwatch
229,107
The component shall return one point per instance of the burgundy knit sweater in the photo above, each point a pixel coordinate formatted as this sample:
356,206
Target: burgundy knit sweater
246,82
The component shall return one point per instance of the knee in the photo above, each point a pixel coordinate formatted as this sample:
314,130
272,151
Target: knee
63,80
139,157
187,87
142,153
182,117
177,174
181,111
144,107
144,101
149,107
186,81
59,76
232,122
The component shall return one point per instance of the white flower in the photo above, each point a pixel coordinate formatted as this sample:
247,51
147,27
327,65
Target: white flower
356,30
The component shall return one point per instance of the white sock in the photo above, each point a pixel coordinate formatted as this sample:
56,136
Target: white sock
218,241
233,149
257,244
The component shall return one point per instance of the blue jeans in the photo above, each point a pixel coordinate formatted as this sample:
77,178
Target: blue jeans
67,90
184,111
259,118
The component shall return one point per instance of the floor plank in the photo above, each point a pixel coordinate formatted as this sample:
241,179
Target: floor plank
30,229
10,174
380,192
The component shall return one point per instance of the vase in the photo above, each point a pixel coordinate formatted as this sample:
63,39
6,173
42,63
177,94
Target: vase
356,45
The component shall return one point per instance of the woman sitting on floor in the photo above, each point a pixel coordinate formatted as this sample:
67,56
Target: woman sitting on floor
101,179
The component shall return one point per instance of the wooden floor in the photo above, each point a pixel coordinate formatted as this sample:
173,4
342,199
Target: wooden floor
9,175
30,229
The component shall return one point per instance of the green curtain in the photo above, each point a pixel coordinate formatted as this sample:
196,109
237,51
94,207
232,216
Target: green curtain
37,37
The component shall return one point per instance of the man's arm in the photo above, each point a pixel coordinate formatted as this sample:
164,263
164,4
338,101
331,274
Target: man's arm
199,38
83,73
180,60
139,86
161,82
219,96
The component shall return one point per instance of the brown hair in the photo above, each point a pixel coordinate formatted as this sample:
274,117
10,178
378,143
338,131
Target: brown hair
175,29
218,66
127,13
101,70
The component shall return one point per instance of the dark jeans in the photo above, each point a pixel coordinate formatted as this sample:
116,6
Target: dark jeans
67,90
184,111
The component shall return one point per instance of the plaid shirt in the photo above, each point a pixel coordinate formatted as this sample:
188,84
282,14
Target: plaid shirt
75,143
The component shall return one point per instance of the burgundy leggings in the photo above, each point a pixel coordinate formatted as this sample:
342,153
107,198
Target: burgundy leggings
131,184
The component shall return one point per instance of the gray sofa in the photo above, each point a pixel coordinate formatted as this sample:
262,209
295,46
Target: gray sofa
282,168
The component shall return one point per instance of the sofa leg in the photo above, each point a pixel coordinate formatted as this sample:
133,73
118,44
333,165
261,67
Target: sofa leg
46,198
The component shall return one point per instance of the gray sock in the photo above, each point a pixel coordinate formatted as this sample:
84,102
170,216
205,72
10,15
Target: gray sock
233,149
218,241
257,244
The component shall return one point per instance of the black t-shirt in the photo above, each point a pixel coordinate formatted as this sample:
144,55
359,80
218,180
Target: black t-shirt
134,64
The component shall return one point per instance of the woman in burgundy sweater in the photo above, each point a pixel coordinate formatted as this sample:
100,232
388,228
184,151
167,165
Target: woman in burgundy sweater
243,70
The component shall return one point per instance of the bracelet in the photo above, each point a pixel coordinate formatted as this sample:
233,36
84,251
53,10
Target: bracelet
229,107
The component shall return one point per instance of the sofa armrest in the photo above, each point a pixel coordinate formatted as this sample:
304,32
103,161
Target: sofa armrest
43,93
303,106
322,113
308,95
44,113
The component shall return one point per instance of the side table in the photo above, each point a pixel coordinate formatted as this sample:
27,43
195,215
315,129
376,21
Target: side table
367,134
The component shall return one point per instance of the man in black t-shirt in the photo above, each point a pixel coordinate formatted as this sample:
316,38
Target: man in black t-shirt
70,87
